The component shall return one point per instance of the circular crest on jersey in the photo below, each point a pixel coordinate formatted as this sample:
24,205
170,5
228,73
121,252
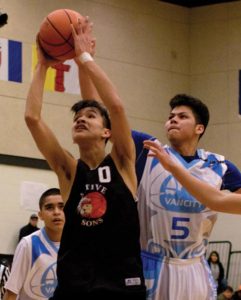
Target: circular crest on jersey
43,282
93,205
168,194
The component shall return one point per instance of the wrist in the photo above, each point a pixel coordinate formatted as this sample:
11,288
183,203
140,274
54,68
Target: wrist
41,67
85,57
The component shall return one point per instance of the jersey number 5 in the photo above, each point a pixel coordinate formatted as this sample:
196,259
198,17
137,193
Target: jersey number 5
177,224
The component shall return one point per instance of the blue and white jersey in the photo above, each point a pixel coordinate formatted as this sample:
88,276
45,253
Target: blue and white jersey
173,223
33,272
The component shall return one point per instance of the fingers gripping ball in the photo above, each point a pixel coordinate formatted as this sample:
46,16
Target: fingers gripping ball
55,35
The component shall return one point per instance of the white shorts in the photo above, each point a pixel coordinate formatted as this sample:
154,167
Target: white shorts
178,279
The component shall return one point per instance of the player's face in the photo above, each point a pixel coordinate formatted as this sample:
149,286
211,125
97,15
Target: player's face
181,126
88,124
52,213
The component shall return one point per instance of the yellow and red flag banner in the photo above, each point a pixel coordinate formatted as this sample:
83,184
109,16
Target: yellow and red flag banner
62,78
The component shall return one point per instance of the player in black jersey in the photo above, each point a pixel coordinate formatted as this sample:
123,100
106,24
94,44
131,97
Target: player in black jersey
99,255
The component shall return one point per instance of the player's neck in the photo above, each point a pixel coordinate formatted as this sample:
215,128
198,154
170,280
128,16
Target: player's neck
93,157
53,235
185,149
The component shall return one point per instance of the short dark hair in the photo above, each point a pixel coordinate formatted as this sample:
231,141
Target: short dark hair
93,103
199,109
49,192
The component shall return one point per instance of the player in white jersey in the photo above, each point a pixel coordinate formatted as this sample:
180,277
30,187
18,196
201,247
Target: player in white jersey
175,227
204,192
33,272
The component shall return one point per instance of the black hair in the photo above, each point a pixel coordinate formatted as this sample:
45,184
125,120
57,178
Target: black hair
93,103
216,253
49,192
228,288
199,109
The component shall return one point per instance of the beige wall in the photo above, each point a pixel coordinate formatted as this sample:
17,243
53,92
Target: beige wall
215,47
151,50
136,47
13,212
215,60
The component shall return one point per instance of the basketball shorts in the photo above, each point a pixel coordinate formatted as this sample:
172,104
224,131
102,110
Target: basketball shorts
172,278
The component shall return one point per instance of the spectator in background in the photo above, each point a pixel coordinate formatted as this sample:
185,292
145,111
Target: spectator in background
226,294
237,294
30,227
217,271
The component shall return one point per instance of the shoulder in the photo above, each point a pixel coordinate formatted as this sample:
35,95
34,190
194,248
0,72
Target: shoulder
232,169
220,265
232,177
24,227
140,136
28,238
24,242
232,166
204,154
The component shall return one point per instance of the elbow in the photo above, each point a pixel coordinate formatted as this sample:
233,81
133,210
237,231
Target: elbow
117,107
30,120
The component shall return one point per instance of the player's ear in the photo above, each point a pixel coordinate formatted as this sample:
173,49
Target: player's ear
199,128
40,215
106,133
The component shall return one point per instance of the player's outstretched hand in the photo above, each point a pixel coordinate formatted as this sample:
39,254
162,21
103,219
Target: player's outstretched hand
83,40
156,150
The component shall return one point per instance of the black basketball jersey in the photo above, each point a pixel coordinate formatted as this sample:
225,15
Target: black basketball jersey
100,248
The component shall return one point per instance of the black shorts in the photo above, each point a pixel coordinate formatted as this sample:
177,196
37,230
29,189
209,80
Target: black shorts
107,295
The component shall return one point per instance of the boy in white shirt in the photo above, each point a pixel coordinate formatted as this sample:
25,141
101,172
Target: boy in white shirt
33,272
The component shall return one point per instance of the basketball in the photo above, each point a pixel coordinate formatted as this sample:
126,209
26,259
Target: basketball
55,34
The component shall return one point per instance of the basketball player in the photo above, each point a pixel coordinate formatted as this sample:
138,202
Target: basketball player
33,271
175,227
204,192
99,256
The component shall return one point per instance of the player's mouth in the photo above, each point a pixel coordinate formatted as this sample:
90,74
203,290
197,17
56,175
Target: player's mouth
172,128
80,127
57,221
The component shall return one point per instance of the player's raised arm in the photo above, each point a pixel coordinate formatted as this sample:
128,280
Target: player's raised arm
87,88
58,159
121,134
204,192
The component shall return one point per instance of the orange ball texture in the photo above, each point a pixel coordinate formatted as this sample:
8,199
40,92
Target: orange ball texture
55,34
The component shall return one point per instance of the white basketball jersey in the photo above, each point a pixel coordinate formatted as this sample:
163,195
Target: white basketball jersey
33,273
173,223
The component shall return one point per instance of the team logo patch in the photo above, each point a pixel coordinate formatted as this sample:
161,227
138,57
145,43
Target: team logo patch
92,205
167,193
42,282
